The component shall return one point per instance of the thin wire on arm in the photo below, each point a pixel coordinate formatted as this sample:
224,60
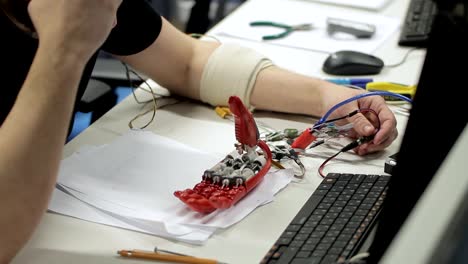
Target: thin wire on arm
149,90
198,36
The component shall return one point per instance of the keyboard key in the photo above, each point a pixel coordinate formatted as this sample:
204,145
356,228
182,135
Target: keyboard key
312,260
329,259
323,246
307,210
358,178
303,254
288,254
293,228
371,178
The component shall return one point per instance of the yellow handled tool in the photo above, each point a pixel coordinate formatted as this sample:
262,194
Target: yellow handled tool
401,89
223,111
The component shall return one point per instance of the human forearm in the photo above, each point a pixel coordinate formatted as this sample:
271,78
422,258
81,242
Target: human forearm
187,63
185,60
279,90
174,60
31,139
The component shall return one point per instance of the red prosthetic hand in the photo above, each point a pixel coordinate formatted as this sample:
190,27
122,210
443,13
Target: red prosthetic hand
238,173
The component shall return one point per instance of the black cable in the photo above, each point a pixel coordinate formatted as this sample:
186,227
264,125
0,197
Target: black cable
357,143
342,117
350,146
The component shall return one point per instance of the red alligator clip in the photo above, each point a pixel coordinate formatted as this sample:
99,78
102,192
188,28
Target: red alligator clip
304,139
238,173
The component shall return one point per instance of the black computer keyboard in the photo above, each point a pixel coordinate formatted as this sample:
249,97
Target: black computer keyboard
417,24
333,223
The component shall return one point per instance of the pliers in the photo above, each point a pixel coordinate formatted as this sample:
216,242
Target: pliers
287,28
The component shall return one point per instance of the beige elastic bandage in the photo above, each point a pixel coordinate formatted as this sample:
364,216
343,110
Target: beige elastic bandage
231,70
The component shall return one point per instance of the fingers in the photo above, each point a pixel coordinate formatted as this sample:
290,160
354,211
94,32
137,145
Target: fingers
362,125
374,147
383,138
387,131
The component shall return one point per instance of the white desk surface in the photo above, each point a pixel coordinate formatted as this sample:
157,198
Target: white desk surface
63,239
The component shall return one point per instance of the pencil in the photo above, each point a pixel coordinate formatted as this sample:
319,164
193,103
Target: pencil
165,257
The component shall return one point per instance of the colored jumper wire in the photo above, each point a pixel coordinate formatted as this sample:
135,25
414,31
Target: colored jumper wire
307,137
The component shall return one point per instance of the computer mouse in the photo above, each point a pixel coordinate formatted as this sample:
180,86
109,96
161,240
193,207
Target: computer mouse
348,62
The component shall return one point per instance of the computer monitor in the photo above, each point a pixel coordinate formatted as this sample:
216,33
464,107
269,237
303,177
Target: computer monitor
429,136
436,230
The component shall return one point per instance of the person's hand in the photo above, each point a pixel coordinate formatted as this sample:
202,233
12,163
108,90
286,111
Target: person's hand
77,27
364,125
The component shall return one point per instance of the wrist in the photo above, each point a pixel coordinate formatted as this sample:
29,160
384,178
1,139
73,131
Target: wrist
332,94
59,52
329,93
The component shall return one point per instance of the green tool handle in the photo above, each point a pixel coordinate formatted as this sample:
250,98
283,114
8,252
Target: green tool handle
273,24
277,36
268,23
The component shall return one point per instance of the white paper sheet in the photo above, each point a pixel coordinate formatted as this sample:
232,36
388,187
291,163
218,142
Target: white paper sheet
365,4
66,204
139,170
177,217
299,12
130,183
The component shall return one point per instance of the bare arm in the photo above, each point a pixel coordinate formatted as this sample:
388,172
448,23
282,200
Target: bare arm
31,140
34,132
280,90
176,61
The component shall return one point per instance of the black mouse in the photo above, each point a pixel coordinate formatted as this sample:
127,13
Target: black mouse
347,62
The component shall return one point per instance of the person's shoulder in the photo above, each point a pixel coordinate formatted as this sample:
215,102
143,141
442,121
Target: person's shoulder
138,26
